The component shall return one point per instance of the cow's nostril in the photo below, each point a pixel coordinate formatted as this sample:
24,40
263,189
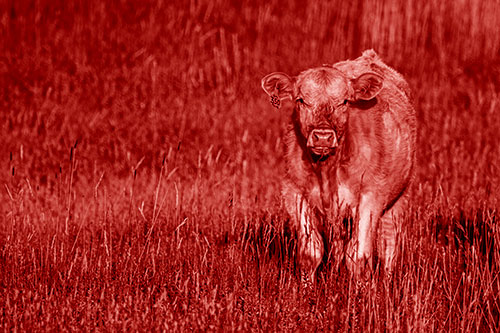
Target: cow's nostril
323,137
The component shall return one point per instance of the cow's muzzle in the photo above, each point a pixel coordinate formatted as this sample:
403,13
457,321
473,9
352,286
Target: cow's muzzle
322,141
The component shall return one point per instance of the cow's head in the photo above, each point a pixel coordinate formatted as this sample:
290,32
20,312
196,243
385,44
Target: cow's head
322,98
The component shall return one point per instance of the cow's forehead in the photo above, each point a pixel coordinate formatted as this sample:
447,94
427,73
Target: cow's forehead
322,83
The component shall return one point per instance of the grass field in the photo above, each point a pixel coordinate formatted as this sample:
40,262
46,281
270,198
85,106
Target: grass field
140,165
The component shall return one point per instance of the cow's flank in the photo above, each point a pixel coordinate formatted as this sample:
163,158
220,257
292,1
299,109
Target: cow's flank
350,149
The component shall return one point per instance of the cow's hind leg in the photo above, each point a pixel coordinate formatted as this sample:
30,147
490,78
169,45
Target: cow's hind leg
388,232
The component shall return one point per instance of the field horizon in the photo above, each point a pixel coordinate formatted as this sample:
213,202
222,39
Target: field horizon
141,166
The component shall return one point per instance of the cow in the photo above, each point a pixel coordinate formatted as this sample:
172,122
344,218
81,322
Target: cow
350,149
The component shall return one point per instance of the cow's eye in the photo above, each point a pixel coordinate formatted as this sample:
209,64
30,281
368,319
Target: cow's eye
299,100
345,101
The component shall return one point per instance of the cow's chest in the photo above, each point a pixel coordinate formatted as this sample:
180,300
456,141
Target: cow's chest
330,194
346,197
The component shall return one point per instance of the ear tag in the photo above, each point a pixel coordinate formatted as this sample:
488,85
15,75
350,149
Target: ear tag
275,100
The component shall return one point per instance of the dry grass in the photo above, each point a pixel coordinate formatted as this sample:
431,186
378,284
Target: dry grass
140,166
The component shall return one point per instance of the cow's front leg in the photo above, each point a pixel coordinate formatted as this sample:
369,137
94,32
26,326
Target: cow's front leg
360,247
310,244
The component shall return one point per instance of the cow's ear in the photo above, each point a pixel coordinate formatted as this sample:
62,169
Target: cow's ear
277,85
367,86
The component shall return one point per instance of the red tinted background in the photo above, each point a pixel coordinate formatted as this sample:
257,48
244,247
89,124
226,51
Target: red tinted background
141,163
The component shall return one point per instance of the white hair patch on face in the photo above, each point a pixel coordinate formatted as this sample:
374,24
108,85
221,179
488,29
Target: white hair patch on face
309,88
337,88
322,85
311,84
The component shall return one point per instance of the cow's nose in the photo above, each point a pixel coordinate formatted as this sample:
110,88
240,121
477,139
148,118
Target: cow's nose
324,138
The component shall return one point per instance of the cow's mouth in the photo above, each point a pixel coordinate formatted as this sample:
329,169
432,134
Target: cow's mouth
321,153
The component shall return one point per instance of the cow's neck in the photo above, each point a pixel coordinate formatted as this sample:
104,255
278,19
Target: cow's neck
326,172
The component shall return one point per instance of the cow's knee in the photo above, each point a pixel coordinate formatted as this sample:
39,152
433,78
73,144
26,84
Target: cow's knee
310,252
357,258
